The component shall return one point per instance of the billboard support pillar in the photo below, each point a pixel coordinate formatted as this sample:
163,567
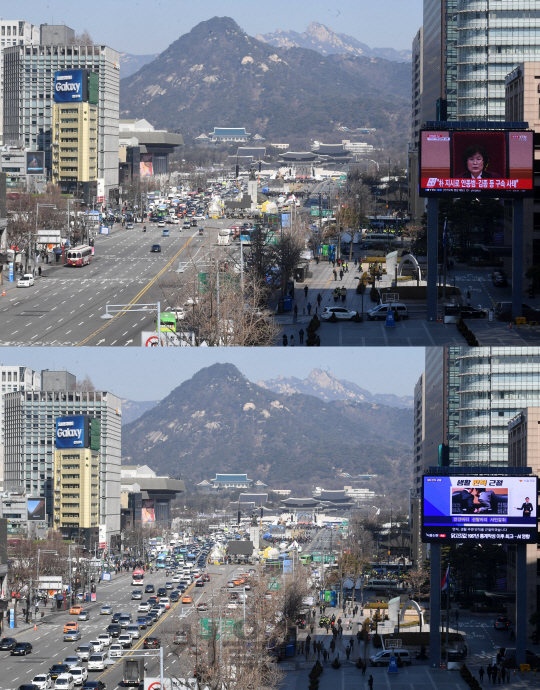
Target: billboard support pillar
517,260
435,603
521,602
432,258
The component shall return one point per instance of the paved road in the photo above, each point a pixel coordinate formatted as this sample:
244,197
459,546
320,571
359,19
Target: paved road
66,304
49,648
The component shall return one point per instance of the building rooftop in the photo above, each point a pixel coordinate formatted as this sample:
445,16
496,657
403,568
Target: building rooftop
231,478
230,131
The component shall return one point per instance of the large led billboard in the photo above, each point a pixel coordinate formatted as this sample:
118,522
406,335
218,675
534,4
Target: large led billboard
479,508
480,162
35,163
71,86
36,509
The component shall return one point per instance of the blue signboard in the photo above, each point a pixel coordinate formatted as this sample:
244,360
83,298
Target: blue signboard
68,86
70,432
11,271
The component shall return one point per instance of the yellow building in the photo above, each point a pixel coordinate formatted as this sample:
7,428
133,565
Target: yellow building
76,490
74,146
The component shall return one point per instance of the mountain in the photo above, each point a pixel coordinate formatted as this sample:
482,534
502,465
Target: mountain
216,75
218,421
326,41
325,386
129,64
133,409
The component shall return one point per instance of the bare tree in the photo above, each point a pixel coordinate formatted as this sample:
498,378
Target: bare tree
218,306
85,385
83,39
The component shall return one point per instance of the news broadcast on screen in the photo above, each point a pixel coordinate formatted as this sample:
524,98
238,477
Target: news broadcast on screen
483,163
502,508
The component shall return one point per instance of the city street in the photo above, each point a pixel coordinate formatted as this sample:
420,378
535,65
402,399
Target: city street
66,304
49,648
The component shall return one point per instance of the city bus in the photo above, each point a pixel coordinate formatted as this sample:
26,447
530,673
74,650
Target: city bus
138,577
167,322
80,256
161,560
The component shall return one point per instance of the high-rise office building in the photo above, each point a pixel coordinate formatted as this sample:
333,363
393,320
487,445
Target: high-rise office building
493,38
13,33
29,443
29,98
13,379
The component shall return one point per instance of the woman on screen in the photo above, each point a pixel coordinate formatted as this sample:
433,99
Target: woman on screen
475,162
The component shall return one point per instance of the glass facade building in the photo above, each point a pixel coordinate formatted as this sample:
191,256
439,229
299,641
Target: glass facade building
30,423
495,384
493,38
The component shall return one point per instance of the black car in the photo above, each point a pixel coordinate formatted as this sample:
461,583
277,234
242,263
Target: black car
21,649
116,617
153,616
7,643
174,596
499,280
27,686
114,629
468,312
162,592
94,685
152,643
149,589
57,669
156,248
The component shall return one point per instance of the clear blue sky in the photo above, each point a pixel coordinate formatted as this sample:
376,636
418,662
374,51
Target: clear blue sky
142,27
150,374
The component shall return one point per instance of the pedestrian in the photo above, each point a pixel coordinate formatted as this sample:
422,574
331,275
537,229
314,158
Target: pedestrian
469,298
317,341
343,292
503,674
481,674
340,631
324,654
341,274
306,290
348,652
352,643
319,299
292,340
363,668
335,274
494,670
301,334
319,645
370,682
285,341
39,271
308,306
488,671
295,311
355,262
499,675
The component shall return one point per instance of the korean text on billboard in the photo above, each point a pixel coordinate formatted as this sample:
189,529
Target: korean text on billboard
483,163
498,509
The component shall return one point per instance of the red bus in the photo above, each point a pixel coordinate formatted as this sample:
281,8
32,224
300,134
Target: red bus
137,577
79,256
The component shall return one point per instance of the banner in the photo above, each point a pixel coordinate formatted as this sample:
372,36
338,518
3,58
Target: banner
148,513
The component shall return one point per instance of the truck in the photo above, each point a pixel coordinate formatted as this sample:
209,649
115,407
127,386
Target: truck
133,672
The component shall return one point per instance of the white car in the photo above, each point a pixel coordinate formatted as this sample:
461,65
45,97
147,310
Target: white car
97,645
43,681
144,607
174,221
105,639
161,224
232,605
116,650
80,675
97,662
65,681
340,312
27,280
176,578
200,216
165,601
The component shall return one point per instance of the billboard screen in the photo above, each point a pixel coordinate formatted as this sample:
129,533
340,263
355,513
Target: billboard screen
70,86
480,162
72,432
36,509
146,168
148,514
35,163
460,508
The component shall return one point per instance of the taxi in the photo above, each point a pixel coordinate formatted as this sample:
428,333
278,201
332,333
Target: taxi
76,610
71,626
187,599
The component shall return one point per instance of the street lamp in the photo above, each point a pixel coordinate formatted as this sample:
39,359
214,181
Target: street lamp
40,551
30,237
